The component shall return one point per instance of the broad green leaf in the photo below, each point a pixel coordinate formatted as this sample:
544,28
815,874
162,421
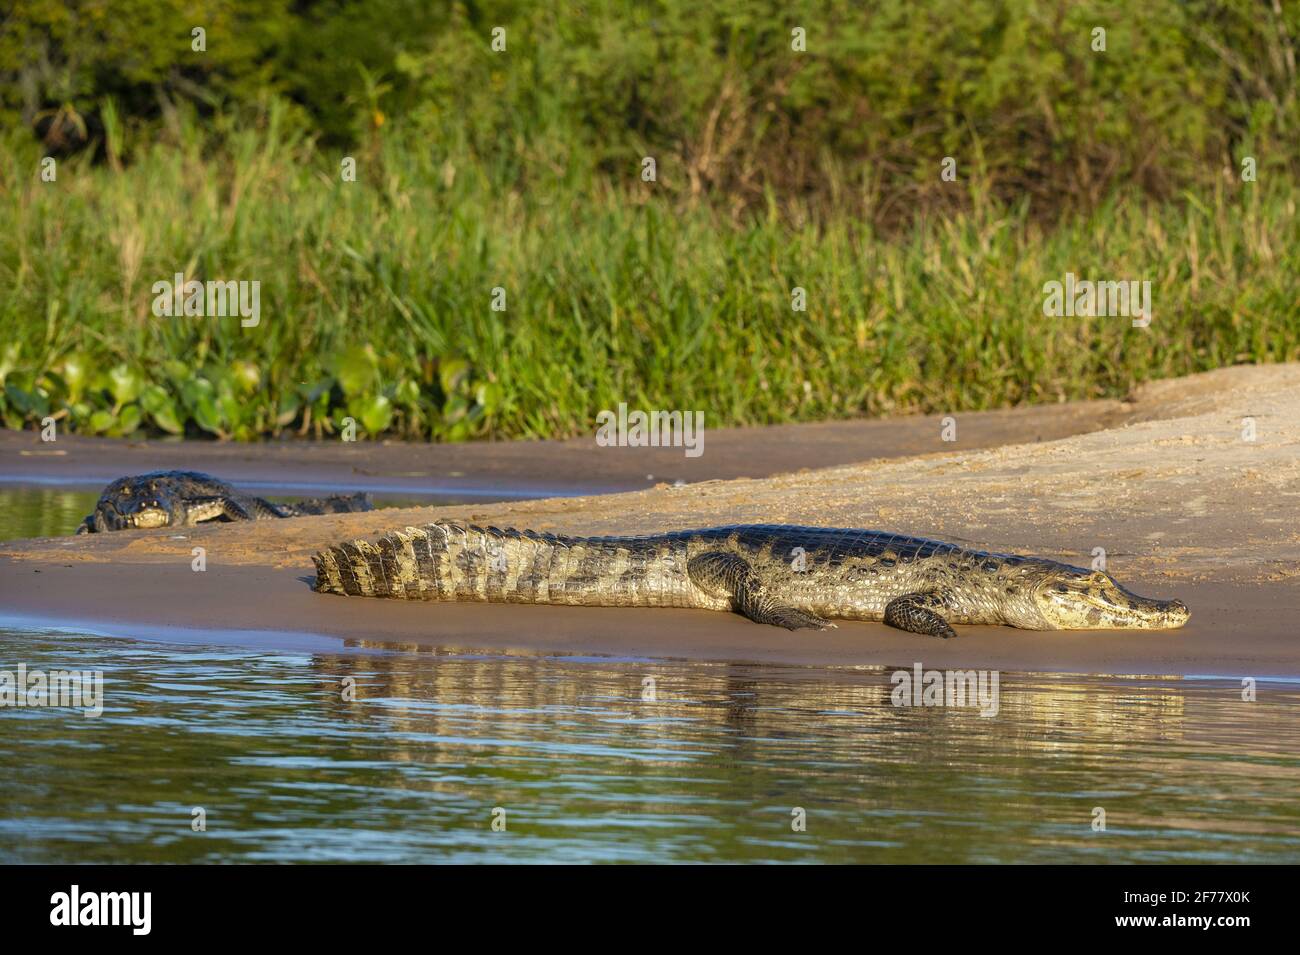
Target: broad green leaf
247,376
161,409
125,383
101,421
375,413
358,370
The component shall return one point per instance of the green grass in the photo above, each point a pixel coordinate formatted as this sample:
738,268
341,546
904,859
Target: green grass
375,295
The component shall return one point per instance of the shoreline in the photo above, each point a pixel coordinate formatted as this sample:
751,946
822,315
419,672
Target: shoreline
273,608
1057,662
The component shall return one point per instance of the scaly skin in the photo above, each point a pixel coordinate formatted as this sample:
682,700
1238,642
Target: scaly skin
185,498
789,576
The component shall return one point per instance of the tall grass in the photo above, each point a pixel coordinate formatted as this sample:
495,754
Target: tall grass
376,295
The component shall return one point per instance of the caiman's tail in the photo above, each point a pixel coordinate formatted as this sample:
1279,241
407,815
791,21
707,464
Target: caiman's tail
337,504
445,561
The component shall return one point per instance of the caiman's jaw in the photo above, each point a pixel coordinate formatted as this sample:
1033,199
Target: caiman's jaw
149,517
1069,598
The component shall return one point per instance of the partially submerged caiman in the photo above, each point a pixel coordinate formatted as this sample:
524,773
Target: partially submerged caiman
184,498
788,576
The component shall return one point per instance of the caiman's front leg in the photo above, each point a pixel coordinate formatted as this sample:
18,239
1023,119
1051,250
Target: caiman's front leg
919,613
721,574
100,521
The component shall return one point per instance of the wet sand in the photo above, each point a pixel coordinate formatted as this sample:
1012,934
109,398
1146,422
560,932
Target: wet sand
277,604
1183,505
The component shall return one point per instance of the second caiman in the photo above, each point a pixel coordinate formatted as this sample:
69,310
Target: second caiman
788,576
186,498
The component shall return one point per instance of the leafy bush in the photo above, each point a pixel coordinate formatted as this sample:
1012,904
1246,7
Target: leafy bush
1012,89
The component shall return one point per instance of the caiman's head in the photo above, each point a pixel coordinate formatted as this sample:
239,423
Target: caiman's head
1071,598
142,501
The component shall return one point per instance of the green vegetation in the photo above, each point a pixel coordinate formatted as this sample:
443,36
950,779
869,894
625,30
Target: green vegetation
522,170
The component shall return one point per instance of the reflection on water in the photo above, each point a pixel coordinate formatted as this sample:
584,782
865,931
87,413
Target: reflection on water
42,511
27,511
287,769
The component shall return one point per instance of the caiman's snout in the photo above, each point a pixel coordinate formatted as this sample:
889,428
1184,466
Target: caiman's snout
1165,615
1175,612
143,513
1075,599
149,515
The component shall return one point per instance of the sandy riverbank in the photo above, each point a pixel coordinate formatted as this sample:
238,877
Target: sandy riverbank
504,470
1183,505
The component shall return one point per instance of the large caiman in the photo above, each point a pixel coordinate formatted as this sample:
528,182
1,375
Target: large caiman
185,498
788,576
